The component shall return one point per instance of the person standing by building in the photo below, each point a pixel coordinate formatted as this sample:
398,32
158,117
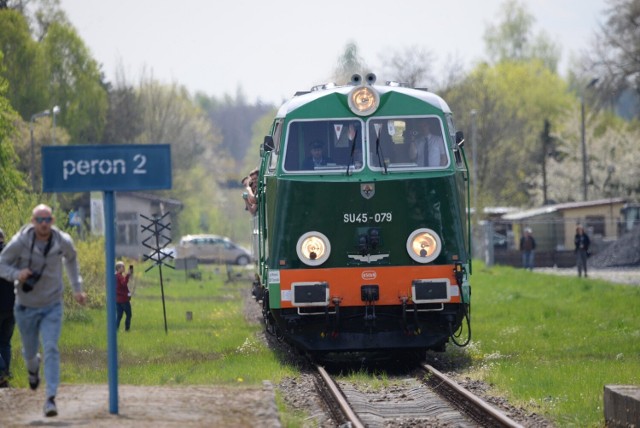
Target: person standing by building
123,295
7,324
527,247
34,257
582,243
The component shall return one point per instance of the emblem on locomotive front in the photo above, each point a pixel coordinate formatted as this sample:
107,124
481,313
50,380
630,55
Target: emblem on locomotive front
369,274
367,190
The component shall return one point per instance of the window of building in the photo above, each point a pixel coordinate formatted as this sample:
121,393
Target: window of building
127,228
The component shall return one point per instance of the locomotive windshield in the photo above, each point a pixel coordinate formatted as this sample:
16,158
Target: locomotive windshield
324,145
394,143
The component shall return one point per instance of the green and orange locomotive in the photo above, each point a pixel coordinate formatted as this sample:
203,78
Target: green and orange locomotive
362,231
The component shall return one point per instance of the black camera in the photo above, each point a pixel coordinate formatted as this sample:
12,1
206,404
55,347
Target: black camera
28,284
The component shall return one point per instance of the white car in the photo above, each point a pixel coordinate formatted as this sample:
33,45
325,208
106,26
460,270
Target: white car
213,249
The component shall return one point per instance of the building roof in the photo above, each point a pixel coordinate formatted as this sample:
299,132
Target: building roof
151,197
549,209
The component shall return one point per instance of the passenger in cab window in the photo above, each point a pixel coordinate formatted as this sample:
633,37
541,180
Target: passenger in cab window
426,144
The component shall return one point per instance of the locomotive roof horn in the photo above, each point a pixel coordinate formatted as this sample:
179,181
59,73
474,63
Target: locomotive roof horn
356,79
371,78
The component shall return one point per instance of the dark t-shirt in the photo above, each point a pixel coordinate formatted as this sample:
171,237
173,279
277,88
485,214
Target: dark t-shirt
527,243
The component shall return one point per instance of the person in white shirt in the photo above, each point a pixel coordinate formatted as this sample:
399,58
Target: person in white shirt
427,145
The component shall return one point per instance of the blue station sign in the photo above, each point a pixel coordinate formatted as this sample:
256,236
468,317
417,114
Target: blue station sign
126,167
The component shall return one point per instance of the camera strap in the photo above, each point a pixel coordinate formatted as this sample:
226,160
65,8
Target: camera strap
47,248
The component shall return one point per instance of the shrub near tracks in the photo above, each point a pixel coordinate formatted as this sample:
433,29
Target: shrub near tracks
551,343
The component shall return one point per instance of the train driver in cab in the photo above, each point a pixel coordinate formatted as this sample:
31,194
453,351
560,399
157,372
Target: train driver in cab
426,145
316,157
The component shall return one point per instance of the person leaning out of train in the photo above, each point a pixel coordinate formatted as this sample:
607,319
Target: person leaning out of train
250,201
582,243
253,184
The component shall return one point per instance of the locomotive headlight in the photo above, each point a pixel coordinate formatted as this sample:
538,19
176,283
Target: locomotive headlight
363,100
313,248
424,245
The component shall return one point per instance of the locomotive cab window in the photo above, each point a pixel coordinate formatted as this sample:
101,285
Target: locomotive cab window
275,153
400,143
324,145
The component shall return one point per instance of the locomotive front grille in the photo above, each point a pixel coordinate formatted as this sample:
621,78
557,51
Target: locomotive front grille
430,291
310,293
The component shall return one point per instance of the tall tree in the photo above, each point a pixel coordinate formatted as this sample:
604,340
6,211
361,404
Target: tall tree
47,13
23,65
75,84
234,117
171,116
613,168
124,115
411,65
510,99
10,179
614,56
513,39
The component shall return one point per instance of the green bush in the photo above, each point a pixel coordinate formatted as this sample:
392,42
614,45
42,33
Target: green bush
92,268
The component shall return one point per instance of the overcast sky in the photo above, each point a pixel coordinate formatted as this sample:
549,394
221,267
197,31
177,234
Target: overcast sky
271,49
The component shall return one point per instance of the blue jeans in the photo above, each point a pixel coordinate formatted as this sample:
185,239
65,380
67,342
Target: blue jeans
45,323
528,258
7,323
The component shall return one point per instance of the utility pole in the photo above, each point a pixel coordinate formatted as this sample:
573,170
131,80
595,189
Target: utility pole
33,150
546,140
474,160
584,142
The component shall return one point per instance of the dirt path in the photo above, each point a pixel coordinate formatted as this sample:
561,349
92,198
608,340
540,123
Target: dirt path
88,405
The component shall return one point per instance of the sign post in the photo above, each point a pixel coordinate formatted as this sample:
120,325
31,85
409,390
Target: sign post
108,168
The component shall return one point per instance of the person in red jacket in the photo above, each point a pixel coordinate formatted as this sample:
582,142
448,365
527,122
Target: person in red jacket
123,295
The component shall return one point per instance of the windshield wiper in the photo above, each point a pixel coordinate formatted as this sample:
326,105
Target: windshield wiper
379,153
353,148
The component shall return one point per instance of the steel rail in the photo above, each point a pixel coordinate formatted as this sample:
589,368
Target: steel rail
500,417
340,398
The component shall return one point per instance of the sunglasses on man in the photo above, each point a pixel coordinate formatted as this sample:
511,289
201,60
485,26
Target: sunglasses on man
41,220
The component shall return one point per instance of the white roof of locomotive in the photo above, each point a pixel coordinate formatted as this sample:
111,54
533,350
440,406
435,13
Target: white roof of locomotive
305,98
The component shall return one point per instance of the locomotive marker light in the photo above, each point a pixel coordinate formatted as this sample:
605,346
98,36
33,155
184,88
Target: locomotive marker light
424,245
313,248
363,100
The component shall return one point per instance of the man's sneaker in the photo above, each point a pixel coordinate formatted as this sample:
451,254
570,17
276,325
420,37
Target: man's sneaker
34,378
4,381
50,407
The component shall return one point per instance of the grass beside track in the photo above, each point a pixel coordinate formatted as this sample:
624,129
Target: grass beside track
548,343
551,343
217,346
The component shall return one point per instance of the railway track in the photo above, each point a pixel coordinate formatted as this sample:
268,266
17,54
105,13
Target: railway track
431,399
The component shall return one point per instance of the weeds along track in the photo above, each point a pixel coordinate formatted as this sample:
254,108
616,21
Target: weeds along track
426,398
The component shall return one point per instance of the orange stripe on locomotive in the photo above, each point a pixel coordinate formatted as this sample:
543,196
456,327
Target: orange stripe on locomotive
394,282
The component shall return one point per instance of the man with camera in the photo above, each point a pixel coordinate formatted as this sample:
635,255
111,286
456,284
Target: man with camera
33,259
